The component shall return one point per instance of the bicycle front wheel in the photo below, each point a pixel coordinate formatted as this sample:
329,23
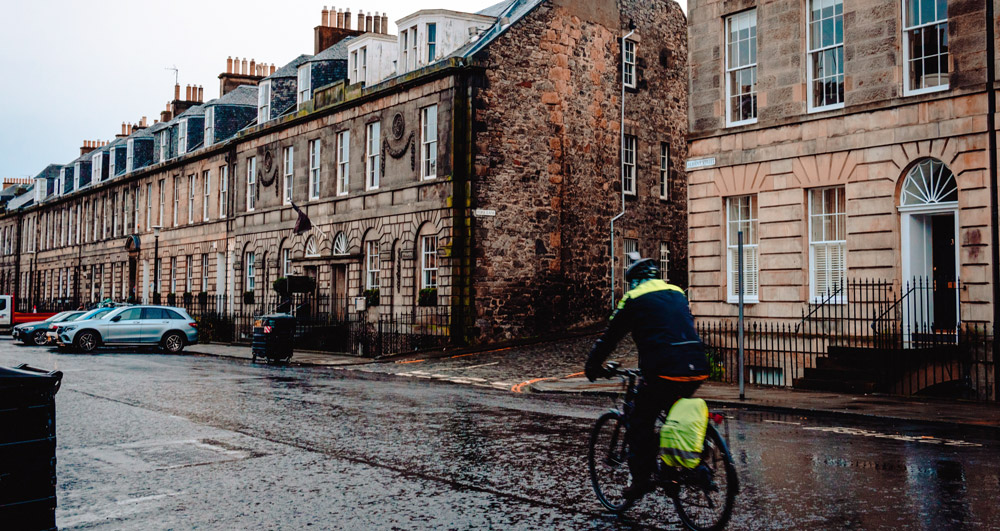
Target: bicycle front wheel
707,493
608,461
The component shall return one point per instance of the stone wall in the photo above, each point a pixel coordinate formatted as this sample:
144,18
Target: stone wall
546,159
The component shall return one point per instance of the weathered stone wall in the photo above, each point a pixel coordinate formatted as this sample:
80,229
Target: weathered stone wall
546,159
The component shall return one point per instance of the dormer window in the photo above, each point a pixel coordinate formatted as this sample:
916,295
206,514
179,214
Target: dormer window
164,144
182,137
61,182
264,102
431,42
305,84
130,149
96,165
209,126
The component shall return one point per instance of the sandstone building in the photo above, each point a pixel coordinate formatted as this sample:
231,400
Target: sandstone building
472,162
848,140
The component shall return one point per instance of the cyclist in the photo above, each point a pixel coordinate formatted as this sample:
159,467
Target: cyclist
671,358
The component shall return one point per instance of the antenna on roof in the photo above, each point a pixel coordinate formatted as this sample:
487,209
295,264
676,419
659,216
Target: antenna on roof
176,73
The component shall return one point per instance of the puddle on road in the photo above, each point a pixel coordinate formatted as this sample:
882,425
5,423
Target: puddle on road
167,455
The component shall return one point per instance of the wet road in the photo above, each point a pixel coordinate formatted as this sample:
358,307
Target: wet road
148,441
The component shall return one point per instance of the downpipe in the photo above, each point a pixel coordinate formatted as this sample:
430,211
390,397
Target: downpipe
621,168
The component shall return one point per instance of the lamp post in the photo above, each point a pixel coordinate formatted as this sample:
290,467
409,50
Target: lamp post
156,261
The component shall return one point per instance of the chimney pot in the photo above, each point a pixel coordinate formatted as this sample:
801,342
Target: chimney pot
377,24
201,93
385,24
243,67
123,128
187,93
272,69
229,65
347,18
253,67
177,92
326,17
368,24
361,20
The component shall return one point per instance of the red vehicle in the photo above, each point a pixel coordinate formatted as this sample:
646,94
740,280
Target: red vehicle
9,318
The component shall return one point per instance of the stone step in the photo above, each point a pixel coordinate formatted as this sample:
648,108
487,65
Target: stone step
840,373
833,386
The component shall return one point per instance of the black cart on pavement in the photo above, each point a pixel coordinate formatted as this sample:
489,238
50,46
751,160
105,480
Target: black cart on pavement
273,337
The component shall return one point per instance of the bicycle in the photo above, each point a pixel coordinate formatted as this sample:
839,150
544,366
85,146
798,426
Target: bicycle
703,497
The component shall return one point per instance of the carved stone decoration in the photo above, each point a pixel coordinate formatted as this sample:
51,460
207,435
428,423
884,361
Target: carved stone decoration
267,173
398,126
398,154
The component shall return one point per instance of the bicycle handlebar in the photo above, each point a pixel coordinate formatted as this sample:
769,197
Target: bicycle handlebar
614,369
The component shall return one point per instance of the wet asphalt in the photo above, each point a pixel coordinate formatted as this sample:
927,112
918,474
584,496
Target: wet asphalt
149,441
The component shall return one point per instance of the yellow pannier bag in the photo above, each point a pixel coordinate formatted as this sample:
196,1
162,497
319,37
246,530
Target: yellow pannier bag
683,434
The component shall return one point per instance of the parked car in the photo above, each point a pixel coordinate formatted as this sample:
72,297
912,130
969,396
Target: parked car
52,335
9,318
35,333
167,327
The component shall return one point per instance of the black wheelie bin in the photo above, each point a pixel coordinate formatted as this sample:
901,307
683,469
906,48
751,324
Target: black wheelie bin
274,337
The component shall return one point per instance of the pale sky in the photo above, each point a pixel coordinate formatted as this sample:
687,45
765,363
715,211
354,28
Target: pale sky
75,70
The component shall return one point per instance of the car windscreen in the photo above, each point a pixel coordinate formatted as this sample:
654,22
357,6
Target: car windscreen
56,318
96,313
73,316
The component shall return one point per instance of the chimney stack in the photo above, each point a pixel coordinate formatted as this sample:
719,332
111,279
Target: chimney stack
347,18
177,93
368,24
361,20
377,24
385,23
326,17
229,64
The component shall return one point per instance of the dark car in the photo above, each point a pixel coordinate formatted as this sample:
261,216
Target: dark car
35,333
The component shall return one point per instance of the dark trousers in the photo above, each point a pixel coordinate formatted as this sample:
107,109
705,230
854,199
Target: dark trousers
653,396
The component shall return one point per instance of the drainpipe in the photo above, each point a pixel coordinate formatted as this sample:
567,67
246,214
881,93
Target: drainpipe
991,129
621,168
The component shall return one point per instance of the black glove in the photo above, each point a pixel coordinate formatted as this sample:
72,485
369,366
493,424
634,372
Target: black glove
593,372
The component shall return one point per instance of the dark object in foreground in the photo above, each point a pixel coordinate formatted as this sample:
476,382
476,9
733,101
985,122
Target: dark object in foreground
28,447
273,337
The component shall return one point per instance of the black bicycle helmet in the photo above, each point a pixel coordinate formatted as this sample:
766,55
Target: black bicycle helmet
641,269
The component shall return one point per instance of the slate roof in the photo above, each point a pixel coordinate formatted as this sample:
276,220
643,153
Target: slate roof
242,95
291,69
513,10
336,52
197,110
50,172
496,10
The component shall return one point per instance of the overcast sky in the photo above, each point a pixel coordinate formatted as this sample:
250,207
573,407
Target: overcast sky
75,70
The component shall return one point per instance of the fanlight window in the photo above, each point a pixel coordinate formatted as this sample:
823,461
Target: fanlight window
930,182
340,244
312,250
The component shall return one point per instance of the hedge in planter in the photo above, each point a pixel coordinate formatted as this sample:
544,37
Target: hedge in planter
171,299
428,297
371,297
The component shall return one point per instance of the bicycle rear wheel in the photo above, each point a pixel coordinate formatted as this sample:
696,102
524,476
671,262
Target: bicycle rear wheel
608,462
707,493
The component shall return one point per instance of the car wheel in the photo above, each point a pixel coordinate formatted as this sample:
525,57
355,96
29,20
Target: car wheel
38,337
173,343
86,341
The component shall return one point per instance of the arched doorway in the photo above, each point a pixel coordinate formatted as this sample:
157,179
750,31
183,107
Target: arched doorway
928,206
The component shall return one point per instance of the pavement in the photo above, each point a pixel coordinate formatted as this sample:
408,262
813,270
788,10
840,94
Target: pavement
554,368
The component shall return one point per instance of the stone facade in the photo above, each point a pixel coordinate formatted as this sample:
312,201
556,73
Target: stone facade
867,146
527,127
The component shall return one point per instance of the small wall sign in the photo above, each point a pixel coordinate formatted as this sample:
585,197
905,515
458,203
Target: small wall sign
480,213
700,163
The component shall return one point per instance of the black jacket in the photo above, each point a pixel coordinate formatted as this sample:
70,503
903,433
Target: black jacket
660,320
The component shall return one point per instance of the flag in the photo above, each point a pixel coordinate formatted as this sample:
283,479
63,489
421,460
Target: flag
302,224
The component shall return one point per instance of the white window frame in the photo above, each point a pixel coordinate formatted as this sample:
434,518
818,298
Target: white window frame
428,262
251,184
315,158
223,191
96,165
182,128
664,171
428,142
304,86
363,55
289,172
206,177
264,102
125,211
354,67
173,275
204,272
251,279
664,260
373,170
135,211
129,150
163,197
177,200
149,206
164,137
404,41
192,187
373,264
343,162
835,47
630,148
431,42
629,49
910,28
629,245
840,229
286,262
750,246
189,274
414,48
340,244
209,126
750,16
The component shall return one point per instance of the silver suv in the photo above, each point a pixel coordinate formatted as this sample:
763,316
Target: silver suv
169,328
